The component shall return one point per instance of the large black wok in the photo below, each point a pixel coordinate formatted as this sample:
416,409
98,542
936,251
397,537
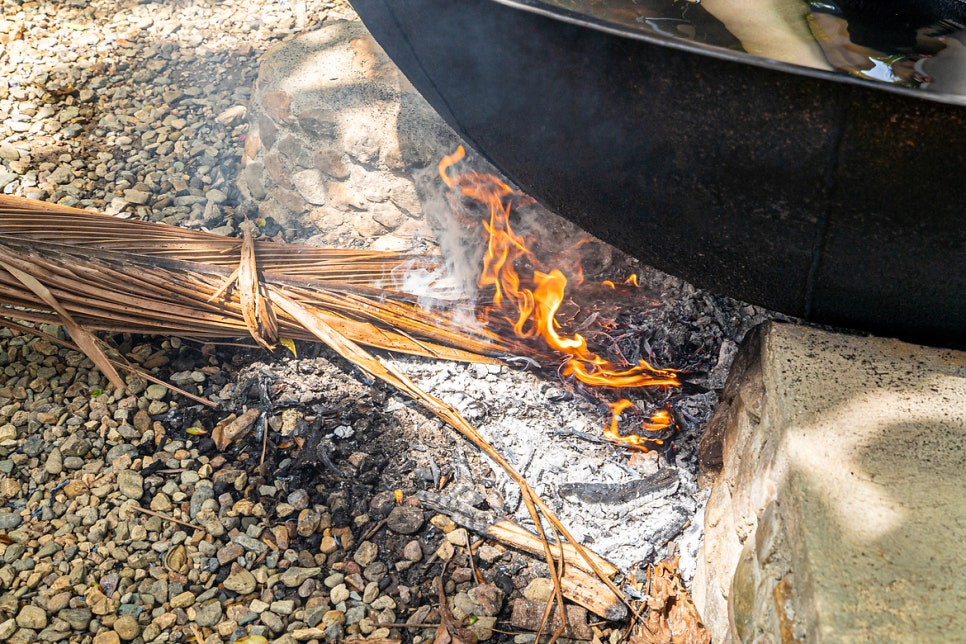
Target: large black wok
824,197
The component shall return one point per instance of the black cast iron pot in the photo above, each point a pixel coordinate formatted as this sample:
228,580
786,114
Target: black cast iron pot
818,195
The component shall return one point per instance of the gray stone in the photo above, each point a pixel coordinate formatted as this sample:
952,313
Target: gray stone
8,152
298,499
366,553
355,614
250,544
69,113
78,618
48,550
240,581
405,519
32,617
14,552
32,445
253,178
75,446
375,571
334,632
188,200
273,622
295,575
121,449
161,502
155,392
7,629
9,520
206,614
131,484
313,616
137,196
320,122
60,175
127,627
55,462
243,615
216,196
203,492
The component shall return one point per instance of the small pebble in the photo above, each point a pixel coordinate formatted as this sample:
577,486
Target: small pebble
107,637
127,628
405,519
32,617
131,484
366,553
240,581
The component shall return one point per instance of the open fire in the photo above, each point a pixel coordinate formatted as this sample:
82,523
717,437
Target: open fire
527,296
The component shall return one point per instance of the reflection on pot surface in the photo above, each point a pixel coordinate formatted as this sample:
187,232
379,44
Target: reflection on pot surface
911,43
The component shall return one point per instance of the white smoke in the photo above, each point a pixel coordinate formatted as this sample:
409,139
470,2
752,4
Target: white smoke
460,242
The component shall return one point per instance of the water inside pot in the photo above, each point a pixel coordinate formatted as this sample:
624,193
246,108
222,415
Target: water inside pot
919,44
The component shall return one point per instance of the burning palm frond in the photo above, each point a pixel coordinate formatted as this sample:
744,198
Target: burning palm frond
93,272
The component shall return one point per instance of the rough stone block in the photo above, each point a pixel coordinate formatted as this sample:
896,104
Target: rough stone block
838,512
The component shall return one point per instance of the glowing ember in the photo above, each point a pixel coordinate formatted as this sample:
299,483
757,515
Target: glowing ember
530,305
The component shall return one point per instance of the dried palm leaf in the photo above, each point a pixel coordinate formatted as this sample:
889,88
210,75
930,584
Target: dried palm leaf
126,275
43,222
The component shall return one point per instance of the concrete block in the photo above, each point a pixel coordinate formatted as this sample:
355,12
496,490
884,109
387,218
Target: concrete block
838,510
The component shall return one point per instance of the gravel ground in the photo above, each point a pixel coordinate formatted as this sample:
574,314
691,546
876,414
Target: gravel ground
134,107
120,520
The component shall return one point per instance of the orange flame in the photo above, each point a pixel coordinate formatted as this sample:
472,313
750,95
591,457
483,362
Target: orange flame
630,281
531,310
659,421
